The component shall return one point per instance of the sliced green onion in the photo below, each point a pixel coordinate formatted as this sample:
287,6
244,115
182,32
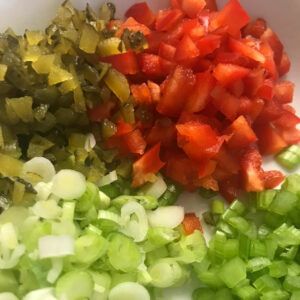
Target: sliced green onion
8,296
290,157
148,202
129,291
155,189
89,248
41,167
165,273
104,200
88,199
75,285
170,195
56,246
160,236
45,293
47,209
168,216
206,193
68,185
108,179
55,271
108,215
135,221
123,254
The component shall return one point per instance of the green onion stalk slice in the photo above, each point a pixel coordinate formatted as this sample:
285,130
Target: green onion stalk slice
45,294
129,291
168,216
155,189
68,185
135,219
8,296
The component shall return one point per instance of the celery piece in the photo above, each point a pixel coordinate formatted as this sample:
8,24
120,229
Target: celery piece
233,272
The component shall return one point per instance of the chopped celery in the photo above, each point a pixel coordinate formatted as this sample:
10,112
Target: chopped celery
290,157
283,202
278,269
233,272
204,294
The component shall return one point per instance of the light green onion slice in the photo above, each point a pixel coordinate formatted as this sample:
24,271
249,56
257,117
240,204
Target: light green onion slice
129,291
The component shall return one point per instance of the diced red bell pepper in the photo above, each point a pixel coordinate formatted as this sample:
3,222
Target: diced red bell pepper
272,179
182,170
154,39
154,91
142,13
167,18
291,136
229,188
193,28
150,64
166,51
287,120
200,94
199,141
227,74
208,44
251,109
123,128
101,111
135,142
192,7
209,183
132,25
145,168
225,102
272,39
191,223
237,88
141,93
163,131
245,50
186,49
125,63
241,133
207,168
285,65
269,63
227,160
255,28
211,5
177,87
271,111
266,91
251,171
254,81
167,66
284,91
269,141
175,4
233,17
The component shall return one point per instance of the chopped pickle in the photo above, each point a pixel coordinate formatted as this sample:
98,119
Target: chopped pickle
58,75
44,64
118,83
1,137
3,70
110,46
34,37
18,192
37,146
10,166
32,54
108,129
79,100
19,108
89,39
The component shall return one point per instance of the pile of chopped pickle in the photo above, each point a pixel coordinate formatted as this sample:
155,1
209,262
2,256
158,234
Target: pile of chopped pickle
48,82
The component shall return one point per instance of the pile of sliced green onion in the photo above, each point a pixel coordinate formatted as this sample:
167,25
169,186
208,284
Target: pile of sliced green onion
75,242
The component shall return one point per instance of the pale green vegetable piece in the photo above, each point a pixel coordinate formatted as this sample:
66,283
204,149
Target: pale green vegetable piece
68,184
129,291
75,285
110,46
10,166
34,37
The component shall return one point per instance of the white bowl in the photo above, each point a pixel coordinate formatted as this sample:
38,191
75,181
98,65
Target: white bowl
282,15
